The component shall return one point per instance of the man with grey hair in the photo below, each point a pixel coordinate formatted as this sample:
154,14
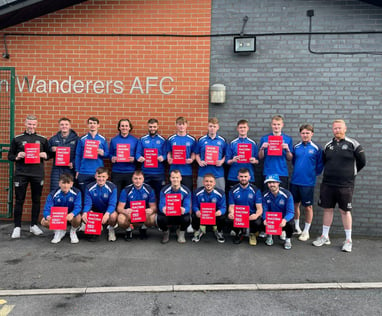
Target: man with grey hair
28,150
343,158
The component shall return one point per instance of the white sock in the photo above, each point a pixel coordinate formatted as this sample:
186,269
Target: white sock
287,239
325,231
143,226
297,223
348,234
307,227
128,229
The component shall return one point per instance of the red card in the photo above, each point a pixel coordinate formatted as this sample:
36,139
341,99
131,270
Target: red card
207,216
273,223
139,211
179,154
244,151
58,218
91,149
151,157
275,147
173,204
32,153
62,156
241,216
123,152
211,155
94,223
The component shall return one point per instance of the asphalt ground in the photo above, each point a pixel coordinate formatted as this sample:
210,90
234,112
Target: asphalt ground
33,263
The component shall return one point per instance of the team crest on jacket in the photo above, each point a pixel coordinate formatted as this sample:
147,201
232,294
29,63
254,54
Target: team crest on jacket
147,141
344,147
250,196
282,202
214,200
311,151
105,195
188,144
144,196
71,199
59,200
158,142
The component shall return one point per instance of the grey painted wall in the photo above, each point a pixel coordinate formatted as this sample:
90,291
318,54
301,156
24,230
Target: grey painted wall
282,77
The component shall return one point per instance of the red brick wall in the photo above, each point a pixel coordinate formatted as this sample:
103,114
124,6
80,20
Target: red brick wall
102,58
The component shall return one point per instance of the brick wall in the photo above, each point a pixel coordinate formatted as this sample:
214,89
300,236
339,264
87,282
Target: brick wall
113,63
282,77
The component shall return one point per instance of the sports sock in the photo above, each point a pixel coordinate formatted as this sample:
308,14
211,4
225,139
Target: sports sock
348,234
325,231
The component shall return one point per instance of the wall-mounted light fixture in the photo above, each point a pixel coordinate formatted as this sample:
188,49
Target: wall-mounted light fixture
217,93
244,44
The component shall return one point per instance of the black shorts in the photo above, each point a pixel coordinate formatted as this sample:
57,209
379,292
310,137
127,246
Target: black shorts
302,194
330,196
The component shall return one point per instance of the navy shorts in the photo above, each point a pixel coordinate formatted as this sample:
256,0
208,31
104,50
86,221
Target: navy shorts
302,194
330,196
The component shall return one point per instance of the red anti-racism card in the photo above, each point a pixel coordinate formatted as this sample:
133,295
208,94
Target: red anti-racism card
173,204
207,216
179,154
241,216
151,157
123,152
139,211
58,218
62,156
275,147
32,153
244,151
94,223
273,223
211,155
91,149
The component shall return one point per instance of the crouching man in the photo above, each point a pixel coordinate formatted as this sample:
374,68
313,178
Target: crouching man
65,196
101,197
143,196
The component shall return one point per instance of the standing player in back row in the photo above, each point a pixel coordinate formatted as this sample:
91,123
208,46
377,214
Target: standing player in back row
181,152
344,157
210,155
276,164
308,164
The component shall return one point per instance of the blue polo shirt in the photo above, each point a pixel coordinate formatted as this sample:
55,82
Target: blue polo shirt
123,167
132,194
100,199
152,142
201,145
245,196
71,200
216,196
282,202
190,143
185,196
307,162
232,150
276,164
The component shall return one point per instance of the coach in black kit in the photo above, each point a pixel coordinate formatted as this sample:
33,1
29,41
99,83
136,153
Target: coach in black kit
343,157
25,173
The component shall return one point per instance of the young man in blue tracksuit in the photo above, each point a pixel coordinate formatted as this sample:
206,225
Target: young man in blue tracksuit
121,172
181,138
277,164
154,176
245,193
101,197
218,144
280,200
65,196
183,221
137,191
65,137
85,167
308,164
208,193
233,158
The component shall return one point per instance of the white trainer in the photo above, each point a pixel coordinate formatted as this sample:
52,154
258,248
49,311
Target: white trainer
112,234
283,235
58,235
347,246
35,230
73,236
304,236
16,233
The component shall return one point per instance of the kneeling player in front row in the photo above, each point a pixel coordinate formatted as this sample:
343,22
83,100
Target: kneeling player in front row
211,195
247,195
101,197
65,196
137,206
278,200
174,208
